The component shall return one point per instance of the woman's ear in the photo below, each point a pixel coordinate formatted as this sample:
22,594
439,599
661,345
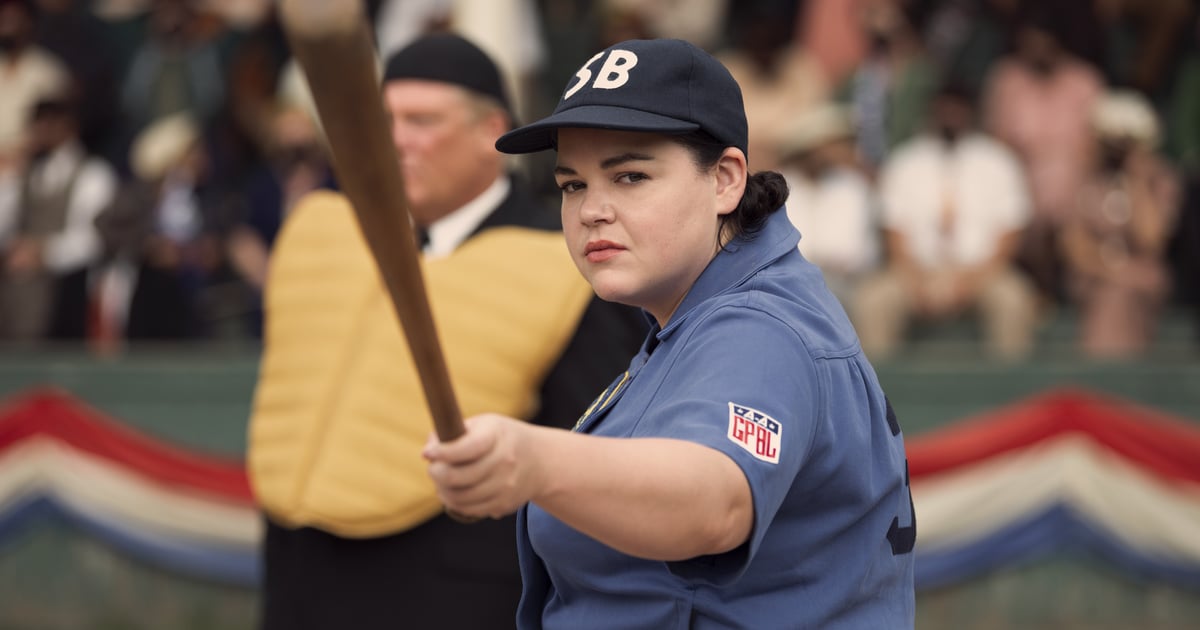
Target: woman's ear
731,174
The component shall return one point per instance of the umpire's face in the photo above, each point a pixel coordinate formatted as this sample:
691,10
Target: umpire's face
446,137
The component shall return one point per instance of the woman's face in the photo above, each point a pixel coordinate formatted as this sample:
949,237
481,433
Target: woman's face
640,219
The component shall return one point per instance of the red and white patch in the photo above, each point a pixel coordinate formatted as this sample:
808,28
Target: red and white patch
756,432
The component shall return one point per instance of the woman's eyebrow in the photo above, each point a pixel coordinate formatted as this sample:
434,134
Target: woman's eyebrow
618,160
608,163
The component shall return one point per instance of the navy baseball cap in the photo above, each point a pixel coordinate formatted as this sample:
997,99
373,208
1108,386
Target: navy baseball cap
666,86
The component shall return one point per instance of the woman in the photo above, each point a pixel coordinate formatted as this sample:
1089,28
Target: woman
746,471
1115,242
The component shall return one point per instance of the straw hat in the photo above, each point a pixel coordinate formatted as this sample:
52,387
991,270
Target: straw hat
815,127
1125,114
162,144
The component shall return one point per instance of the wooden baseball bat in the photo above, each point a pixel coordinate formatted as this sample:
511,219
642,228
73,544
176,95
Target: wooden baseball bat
331,41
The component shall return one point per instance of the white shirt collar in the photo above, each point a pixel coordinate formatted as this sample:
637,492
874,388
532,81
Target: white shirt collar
447,233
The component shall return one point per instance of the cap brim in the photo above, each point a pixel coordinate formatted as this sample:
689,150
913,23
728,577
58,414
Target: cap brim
540,136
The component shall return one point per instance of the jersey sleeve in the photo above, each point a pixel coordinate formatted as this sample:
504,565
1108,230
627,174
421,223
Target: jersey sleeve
745,385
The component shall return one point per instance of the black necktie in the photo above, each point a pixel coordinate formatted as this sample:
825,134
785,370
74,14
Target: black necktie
422,238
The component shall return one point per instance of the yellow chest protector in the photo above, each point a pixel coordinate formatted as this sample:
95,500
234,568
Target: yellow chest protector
339,416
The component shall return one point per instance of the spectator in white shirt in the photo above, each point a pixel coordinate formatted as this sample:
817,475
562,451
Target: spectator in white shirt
955,203
48,239
830,201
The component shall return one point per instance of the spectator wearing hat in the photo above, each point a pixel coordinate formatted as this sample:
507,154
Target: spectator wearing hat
160,236
780,80
48,240
356,536
831,202
954,207
1114,244
28,74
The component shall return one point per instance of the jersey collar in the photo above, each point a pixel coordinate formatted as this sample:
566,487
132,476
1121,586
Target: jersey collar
734,264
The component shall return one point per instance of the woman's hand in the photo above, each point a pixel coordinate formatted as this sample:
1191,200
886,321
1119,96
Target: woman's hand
654,498
488,471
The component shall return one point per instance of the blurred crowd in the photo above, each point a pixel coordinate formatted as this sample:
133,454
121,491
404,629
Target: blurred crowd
1000,160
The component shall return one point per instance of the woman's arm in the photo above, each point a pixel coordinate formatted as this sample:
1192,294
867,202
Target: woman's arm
654,498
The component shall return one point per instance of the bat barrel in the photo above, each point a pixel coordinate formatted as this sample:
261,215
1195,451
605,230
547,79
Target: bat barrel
309,19
331,41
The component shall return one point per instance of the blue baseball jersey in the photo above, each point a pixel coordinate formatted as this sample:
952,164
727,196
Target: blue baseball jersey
758,362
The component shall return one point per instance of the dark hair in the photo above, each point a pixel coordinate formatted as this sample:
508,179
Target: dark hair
28,6
958,90
54,107
765,190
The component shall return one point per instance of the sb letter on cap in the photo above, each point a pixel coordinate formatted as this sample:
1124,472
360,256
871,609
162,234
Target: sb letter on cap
613,74
615,71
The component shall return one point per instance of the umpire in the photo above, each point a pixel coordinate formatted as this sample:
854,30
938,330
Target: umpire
355,536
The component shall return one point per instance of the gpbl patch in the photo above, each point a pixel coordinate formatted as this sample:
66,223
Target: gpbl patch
756,432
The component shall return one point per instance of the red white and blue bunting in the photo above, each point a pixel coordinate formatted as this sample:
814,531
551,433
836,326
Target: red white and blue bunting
1066,472
185,512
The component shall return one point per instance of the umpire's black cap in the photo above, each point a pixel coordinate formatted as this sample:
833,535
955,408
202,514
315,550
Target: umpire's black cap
449,58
